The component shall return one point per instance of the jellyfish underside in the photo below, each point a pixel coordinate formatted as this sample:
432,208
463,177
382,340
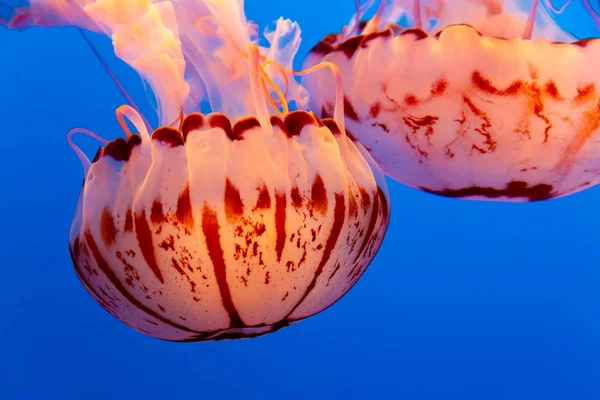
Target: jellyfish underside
468,106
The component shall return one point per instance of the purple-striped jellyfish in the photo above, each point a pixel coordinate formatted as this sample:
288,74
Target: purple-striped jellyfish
477,99
227,225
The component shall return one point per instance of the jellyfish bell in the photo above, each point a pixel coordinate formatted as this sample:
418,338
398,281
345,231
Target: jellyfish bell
477,99
220,226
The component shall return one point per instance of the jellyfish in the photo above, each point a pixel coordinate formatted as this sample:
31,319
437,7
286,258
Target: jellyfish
226,225
474,99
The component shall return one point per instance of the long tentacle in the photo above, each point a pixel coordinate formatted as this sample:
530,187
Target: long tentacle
266,80
531,20
257,91
593,13
113,77
338,114
418,14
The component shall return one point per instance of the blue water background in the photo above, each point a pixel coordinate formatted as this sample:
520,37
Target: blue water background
465,300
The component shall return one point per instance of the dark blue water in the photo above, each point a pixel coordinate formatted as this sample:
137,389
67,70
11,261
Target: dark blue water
465,300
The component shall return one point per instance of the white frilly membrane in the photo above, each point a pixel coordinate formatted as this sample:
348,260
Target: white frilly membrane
477,99
188,51
229,225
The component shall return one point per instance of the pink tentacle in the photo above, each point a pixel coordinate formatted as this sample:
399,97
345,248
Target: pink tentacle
114,78
417,12
593,13
586,3
357,19
531,20
555,10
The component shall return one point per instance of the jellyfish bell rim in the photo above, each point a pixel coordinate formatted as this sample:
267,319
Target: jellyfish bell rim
291,125
331,43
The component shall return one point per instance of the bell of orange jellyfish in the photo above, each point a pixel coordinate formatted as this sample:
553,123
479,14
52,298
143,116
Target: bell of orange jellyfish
477,99
219,226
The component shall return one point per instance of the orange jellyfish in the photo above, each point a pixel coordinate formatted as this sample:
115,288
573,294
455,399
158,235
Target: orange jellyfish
477,99
218,226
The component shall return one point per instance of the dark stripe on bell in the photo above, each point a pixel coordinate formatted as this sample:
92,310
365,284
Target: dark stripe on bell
210,228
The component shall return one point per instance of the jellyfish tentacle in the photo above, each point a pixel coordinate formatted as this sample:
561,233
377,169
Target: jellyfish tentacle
555,10
281,70
275,102
85,161
338,85
527,34
592,12
272,102
338,114
531,20
353,27
260,104
379,11
136,119
266,80
374,23
179,119
113,76
357,17
417,12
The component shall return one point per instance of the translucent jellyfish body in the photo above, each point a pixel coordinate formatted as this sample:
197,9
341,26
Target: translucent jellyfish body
220,226
476,99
